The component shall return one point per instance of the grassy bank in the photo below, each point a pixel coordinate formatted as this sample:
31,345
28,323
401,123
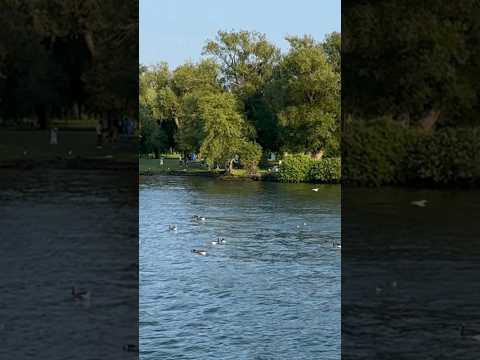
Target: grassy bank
34,146
298,168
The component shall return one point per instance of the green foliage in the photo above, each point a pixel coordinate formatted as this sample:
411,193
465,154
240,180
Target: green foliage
295,168
246,58
305,96
250,154
447,156
302,168
222,127
406,58
333,48
326,170
374,152
247,97
386,153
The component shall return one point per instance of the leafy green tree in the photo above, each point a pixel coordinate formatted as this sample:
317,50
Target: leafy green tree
332,45
306,97
190,77
246,59
408,58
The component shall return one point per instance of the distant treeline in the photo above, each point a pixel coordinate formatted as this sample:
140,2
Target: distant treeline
65,58
245,98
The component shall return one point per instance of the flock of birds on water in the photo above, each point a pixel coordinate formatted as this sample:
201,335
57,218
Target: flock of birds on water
83,295
199,219
222,241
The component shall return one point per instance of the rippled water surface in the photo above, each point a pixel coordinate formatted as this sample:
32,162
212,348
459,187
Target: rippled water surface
271,292
60,229
410,274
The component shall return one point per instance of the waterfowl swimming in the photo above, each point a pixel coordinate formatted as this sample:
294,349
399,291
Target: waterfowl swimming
172,227
338,246
198,218
419,203
200,252
220,241
469,333
316,189
80,295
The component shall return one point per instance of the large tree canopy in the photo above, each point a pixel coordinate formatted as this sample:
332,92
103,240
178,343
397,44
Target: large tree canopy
61,55
246,96
409,58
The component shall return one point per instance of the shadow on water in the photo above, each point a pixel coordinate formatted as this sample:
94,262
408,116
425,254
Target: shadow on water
272,291
61,229
409,273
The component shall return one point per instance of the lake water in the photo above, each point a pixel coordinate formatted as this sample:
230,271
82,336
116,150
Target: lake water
411,275
63,228
271,292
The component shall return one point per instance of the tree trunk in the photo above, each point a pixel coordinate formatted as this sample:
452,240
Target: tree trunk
318,155
229,167
428,122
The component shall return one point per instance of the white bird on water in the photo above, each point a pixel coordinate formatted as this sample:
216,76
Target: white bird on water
316,189
419,203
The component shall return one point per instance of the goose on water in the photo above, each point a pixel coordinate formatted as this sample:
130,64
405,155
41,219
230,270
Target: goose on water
199,252
220,241
172,227
80,295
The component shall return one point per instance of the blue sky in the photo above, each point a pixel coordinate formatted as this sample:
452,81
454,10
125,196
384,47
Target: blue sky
176,30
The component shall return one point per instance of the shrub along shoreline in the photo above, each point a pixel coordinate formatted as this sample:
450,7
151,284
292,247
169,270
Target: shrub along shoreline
293,169
387,153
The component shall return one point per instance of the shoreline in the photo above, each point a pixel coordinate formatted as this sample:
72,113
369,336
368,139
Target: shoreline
77,163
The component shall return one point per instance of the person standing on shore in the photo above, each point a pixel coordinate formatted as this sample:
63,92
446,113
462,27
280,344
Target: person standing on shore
99,130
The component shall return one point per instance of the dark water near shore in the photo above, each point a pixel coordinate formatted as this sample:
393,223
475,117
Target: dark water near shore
411,275
271,292
60,229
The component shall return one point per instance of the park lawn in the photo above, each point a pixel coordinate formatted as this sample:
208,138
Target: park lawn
82,144
169,165
75,124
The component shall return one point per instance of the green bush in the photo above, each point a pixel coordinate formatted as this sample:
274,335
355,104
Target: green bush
302,168
383,152
326,170
446,156
295,168
374,153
